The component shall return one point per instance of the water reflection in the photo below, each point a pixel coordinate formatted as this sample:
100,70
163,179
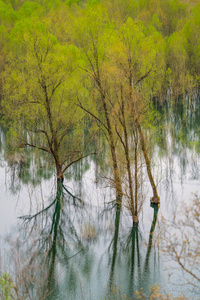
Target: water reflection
132,250
58,236
150,268
132,265
71,258
79,255
115,243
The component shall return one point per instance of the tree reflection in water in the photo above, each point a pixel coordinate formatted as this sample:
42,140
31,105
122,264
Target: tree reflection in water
130,267
70,259
56,228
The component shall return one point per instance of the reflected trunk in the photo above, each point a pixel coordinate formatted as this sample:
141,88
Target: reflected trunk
54,234
153,225
135,258
115,242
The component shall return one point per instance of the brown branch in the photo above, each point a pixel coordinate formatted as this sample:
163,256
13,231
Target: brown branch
55,87
45,133
184,268
90,74
113,109
121,140
143,77
35,146
76,160
30,217
91,114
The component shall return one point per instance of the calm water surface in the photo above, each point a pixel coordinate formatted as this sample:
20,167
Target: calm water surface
87,248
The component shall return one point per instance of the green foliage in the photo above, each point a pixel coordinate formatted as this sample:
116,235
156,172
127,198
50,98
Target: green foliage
152,118
28,9
192,35
156,22
56,54
146,49
6,286
67,44
92,3
71,2
166,17
7,14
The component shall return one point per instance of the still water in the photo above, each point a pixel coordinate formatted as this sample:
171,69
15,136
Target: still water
83,248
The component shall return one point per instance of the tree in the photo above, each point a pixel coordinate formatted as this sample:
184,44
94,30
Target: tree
180,241
7,20
38,95
181,81
191,33
93,39
132,70
121,62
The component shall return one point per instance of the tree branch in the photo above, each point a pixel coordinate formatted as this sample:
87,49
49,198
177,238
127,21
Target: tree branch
45,133
76,160
91,114
29,217
121,140
35,146
143,77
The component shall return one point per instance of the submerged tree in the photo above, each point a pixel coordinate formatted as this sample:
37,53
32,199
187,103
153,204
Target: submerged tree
134,58
38,95
93,40
121,63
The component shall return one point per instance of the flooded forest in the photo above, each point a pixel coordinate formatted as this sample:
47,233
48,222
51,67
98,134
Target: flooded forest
99,149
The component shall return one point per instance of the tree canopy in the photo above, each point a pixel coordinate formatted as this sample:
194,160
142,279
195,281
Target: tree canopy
65,62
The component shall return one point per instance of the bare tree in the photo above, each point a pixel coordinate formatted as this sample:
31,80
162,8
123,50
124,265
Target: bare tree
180,241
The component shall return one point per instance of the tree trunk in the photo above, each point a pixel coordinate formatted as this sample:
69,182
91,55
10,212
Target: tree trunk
59,172
117,180
127,155
135,217
155,199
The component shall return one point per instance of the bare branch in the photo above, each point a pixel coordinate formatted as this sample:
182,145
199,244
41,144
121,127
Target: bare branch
76,160
91,114
35,146
45,133
29,217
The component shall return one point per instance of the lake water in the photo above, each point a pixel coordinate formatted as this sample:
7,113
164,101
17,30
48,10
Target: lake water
90,250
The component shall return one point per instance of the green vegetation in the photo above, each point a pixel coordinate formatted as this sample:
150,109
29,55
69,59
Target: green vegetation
6,287
78,76
63,62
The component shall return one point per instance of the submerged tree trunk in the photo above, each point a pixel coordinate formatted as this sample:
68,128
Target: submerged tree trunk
127,155
135,217
95,75
52,253
117,179
115,244
125,144
153,225
59,172
155,199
